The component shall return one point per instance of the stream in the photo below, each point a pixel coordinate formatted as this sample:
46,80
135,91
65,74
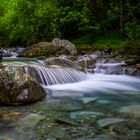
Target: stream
96,107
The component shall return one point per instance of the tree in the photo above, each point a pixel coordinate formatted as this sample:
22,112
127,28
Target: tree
24,22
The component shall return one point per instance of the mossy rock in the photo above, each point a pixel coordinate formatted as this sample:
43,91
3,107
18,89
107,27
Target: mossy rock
16,87
48,49
39,49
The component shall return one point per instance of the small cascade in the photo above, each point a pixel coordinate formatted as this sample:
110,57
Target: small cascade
108,68
11,52
54,75
14,54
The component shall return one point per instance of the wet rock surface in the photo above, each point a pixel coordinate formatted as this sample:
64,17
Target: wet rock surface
108,121
55,48
132,109
75,117
103,61
30,121
86,61
63,62
18,88
43,121
11,52
111,63
80,114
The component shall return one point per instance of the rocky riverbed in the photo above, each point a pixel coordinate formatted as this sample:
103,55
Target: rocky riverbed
72,119
79,116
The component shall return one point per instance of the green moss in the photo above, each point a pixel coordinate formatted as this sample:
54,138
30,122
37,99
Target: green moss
129,47
14,82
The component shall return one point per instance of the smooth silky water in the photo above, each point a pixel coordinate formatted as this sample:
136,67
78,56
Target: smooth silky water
74,105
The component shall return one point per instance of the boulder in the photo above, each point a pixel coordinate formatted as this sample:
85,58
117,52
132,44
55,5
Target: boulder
16,87
86,61
30,120
56,42
109,121
132,71
132,61
39,49
65,44
55,48
69,46
83,114
63,62
42,45
133,110
138,66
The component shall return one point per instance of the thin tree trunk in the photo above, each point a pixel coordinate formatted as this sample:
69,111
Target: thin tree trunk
121,18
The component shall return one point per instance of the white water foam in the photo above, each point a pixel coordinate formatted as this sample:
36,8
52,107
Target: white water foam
99,84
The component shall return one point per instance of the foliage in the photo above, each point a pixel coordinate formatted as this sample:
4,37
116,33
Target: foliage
133,32
25,22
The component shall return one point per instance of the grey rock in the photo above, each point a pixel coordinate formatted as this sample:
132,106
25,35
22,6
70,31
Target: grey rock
69,46
65,121
133,61
132,109
131,71
109,121
57,132
85,61
30,121
63,62
42,45
18,88
103,101
78,114
66,106
88,99
56,42
97,138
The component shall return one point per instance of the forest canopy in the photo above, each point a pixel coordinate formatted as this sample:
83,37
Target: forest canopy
24,22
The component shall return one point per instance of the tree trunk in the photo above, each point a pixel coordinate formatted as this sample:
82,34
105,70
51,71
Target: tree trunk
121,18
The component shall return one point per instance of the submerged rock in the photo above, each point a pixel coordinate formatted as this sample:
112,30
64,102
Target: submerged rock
6,138
57,132
103,101
97,138
109,121
65,105
66,121
87,100
31,120
132,109
18,88
78,114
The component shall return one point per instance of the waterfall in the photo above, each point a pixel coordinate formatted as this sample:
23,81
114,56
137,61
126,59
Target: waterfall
54,75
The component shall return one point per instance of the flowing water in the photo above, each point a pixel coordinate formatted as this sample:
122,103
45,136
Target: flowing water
79,106
54,75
